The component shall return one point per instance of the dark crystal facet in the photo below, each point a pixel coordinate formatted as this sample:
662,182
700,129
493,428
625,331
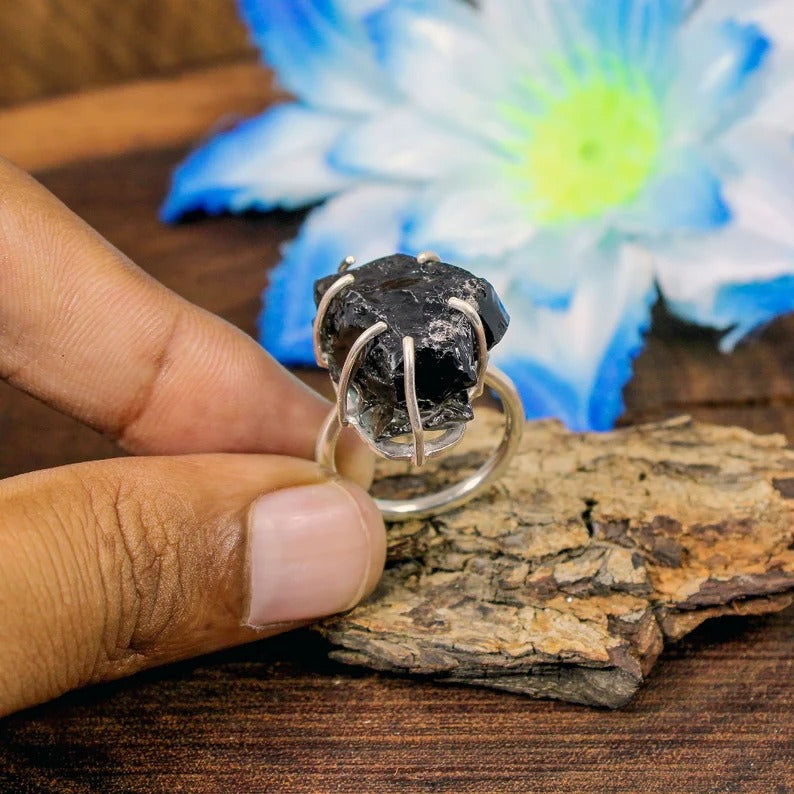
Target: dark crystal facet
411,298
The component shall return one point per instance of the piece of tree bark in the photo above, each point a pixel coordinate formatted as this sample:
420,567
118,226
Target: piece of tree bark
567,578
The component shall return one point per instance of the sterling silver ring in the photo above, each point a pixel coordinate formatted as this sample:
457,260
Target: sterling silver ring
406,340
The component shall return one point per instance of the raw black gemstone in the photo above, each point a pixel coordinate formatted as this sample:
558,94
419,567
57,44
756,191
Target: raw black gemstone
411,298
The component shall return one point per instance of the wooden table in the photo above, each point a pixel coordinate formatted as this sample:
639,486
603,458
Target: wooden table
717,714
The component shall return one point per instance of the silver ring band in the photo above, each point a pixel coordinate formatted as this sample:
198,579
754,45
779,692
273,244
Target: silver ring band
461,492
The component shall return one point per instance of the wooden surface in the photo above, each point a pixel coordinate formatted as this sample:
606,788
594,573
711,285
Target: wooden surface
54,46
112,121
716,715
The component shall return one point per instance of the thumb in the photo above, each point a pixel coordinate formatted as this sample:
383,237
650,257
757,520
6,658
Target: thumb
110,567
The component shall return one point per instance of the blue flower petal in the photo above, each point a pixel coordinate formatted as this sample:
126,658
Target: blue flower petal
277,159
720,66
579,311
751,45
739,309
686,196
639,33
573,364
320,51
746,307
365,222
735,281
545,393
614,372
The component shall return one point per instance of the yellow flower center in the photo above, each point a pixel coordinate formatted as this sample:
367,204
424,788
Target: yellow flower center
587,151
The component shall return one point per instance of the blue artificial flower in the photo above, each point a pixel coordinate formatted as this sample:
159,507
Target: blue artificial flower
581,154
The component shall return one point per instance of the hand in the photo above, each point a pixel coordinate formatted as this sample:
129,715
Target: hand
112,566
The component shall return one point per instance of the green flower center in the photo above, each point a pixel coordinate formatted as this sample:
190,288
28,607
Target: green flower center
587,151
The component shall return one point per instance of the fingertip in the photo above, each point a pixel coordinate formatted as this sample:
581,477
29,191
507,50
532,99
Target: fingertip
355,460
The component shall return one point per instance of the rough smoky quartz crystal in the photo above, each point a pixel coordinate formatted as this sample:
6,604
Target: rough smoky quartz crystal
411,298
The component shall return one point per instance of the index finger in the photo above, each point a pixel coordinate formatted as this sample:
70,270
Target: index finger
87,331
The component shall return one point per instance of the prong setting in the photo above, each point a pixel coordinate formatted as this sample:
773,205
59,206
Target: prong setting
427,256
349,369
346,263
470,313
386,338
421,449
412,402
322,309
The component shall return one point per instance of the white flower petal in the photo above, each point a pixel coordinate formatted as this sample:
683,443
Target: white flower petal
763,208
537,34
776,108
757,244
769,130
365,222
467,221
546,270
761,195
405,144
277,159
709,12
439,57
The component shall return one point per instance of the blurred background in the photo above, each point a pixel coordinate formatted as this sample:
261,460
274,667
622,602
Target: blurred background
100,100
50,47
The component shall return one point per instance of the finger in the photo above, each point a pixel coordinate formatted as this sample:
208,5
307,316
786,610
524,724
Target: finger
85,330
110,567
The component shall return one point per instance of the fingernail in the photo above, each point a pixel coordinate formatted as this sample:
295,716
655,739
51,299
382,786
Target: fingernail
314,550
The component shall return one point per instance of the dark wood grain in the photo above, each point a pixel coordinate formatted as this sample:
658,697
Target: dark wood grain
716,716
276,717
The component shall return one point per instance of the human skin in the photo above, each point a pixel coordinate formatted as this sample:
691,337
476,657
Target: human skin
218,530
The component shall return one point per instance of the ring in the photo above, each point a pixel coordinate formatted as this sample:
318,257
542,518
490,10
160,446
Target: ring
406,341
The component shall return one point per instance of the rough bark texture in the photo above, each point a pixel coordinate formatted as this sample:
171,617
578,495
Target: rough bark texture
566,580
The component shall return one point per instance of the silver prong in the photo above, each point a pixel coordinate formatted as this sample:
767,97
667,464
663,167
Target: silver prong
322,308
350,366
347,262
473,317
427,256
409,370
